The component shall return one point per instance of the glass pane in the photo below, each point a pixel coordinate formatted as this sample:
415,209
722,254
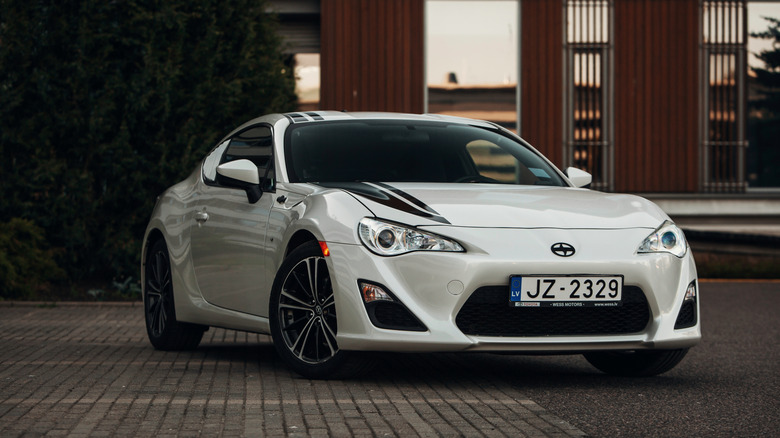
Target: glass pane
724,53
588,88
763,153
307,81
471,63
212,161
253,144
587,21
722,22
406,151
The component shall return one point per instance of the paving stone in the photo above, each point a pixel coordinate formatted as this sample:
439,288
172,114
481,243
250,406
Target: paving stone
85,370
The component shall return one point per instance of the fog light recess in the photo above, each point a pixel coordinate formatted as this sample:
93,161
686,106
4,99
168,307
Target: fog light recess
385,311
688,313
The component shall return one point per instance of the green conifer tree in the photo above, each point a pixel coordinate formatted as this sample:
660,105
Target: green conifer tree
103,104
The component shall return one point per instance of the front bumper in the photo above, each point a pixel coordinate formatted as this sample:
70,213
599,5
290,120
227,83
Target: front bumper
435,287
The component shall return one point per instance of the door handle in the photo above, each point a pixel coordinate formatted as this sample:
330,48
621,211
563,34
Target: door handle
201,217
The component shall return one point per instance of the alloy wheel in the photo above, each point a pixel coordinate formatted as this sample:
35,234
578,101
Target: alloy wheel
158,292
307,312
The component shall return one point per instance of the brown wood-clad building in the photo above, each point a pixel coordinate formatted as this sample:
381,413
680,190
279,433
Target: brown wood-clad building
372,55
648,95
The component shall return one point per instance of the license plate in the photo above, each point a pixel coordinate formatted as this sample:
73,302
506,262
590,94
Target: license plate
566,291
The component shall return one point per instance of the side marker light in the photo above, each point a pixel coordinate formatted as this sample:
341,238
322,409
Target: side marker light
325,250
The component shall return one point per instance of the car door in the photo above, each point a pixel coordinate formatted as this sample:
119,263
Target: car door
228,238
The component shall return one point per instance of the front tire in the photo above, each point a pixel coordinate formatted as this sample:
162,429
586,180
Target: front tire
303,317
640,363
164,331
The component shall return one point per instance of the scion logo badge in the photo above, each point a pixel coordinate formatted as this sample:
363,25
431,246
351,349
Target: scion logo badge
562,249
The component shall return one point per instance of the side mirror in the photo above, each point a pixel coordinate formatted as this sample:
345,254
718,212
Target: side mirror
578,177
241,174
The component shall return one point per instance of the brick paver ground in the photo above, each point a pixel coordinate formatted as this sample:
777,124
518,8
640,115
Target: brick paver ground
85,370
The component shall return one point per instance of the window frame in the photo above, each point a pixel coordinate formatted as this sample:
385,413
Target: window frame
589,44
224,144
723,143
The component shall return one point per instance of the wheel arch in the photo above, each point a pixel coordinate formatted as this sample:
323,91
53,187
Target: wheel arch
152,236
299,238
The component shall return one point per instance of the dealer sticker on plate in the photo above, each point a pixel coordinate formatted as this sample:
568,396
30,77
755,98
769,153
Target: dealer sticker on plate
566,291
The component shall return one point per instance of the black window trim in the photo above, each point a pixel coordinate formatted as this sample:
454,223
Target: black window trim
271,160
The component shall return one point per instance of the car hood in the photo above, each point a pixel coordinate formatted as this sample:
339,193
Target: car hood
503,206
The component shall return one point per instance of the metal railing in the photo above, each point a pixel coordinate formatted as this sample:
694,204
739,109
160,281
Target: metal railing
588,89
723,100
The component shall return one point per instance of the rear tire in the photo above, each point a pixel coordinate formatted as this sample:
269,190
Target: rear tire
303,318
164,331
639,363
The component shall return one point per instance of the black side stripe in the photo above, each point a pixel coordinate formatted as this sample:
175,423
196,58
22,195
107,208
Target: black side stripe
388,198
408,197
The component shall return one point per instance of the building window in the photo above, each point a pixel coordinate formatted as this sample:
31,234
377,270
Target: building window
588,90
472,59
763,94
723,60
299,30
307,81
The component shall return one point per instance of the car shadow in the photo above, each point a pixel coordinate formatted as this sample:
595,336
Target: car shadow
521,371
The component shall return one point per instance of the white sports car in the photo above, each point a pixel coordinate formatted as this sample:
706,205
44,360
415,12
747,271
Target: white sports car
341,233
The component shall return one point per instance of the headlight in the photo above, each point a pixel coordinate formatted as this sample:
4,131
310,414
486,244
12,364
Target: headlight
666,238
389,239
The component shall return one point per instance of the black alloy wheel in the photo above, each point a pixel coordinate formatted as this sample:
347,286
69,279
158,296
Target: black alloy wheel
303,317
164,331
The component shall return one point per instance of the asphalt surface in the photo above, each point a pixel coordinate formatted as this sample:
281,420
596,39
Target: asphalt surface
727,386
89,371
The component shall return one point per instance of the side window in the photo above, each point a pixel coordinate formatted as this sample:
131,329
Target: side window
212,161
256,145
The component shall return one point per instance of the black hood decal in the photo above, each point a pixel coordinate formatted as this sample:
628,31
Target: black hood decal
389,196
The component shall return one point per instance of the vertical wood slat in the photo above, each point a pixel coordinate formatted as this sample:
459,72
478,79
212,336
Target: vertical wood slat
690,20
655,125
542,76
372,52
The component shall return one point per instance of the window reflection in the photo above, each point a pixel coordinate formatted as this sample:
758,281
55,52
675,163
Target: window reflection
724,137
307,81
763,118
471,59
588,89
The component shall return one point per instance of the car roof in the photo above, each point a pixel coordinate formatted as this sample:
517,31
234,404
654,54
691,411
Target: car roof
320,116
325,116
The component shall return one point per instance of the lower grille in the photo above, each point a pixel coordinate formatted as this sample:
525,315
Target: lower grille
487,313
687,316
394,316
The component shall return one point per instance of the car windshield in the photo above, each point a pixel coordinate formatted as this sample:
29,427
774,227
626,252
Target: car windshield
411,151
